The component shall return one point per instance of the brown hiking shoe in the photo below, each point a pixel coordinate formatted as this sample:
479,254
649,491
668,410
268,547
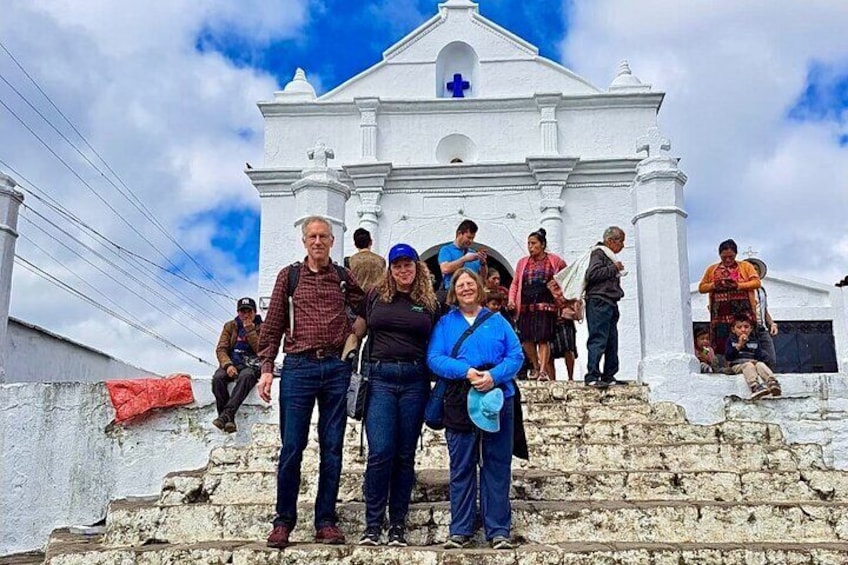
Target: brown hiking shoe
331,535
279,537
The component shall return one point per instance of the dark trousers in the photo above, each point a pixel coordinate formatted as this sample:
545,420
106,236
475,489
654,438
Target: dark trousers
227,403
495,477
305,381
767,347
397,395
602,320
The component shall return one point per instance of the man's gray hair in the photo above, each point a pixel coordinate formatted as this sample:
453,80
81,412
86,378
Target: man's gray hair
309,220
613,233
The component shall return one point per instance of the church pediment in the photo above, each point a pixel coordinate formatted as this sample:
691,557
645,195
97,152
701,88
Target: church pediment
459,53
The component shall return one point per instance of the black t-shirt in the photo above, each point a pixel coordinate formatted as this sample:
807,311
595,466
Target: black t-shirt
400,330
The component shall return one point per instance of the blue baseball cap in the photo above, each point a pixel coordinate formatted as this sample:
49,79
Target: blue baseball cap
402,251
484,408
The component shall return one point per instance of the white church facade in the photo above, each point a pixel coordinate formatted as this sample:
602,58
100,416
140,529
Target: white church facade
527,144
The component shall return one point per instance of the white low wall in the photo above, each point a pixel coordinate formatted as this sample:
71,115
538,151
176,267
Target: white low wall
34,354
812,409
61,467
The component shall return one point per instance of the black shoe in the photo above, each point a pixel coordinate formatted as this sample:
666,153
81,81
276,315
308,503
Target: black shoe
397,536
230,427
371,536
596,383
612,381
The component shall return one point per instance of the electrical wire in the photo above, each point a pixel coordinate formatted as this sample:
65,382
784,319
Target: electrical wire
84,297
139,205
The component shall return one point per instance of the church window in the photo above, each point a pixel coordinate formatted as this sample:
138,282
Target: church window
456,148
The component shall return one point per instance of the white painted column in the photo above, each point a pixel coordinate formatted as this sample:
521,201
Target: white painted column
548,126
10,201
551,176
839,301
665,311
368,127
369,180
319,192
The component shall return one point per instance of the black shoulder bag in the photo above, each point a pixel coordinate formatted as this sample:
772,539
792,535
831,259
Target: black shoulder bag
436,413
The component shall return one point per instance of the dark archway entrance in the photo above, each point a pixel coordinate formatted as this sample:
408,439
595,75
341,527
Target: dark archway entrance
495,259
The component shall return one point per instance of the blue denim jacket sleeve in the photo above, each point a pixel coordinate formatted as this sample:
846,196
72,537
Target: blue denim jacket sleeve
439,351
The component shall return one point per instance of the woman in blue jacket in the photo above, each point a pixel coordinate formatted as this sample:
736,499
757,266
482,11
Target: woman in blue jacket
489,358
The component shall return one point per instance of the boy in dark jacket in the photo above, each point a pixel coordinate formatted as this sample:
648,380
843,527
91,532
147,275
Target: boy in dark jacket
744,354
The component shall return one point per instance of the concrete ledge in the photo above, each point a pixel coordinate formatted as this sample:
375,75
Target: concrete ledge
812,409
62,467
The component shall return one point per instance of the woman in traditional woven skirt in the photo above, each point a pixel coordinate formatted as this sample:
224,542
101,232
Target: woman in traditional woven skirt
533,305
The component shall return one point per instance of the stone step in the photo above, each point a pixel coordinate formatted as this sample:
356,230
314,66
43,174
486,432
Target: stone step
532,485
682,457
590,432
577,393
138,523
578,553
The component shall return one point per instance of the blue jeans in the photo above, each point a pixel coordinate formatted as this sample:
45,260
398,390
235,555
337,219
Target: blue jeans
602,319
397,396
495,478
305,380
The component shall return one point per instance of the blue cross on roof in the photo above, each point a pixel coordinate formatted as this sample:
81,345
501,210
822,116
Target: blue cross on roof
458,86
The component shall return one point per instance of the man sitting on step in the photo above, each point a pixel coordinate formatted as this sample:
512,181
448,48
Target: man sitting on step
236,352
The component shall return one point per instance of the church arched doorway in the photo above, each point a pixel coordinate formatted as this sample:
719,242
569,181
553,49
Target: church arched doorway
495,259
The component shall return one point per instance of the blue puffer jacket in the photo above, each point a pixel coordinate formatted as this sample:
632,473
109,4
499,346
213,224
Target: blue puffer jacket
493,343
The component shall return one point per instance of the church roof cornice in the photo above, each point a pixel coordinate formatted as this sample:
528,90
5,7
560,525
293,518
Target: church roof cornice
601,100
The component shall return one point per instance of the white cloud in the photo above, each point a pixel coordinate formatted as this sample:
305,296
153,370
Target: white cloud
732,71
170,119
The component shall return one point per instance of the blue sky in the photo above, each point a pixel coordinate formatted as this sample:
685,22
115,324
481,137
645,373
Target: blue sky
360,32
343,38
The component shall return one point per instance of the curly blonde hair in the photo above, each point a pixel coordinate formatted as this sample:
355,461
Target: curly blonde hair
422,288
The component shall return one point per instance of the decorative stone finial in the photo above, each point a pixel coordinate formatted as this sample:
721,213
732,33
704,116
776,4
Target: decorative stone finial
320,154
298,89
625,80
653,142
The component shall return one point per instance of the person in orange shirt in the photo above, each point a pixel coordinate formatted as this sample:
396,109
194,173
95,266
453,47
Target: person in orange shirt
731,285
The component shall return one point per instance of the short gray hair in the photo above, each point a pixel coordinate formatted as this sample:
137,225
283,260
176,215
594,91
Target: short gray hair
309,220
613,233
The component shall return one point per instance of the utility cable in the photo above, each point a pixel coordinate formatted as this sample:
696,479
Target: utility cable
57,207
137,203
82,296
117,267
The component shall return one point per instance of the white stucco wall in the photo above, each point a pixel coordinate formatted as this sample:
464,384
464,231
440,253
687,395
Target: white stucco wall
34,354
61,465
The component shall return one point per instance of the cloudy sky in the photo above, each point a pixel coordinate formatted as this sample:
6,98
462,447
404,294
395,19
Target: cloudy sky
136,196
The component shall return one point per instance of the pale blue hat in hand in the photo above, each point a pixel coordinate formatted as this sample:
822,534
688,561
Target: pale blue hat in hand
484,408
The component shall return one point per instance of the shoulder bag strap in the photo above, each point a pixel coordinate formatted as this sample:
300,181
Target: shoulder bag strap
477,323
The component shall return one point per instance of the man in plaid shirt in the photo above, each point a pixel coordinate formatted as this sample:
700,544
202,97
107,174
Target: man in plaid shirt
315,326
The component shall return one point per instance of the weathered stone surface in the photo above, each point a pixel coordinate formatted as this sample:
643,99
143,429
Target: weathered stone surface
612,479
578,553
552,522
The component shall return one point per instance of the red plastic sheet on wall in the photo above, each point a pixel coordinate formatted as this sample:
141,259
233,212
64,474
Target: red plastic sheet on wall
131,398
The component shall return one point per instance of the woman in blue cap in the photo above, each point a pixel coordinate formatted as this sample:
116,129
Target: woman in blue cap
478,415
400,313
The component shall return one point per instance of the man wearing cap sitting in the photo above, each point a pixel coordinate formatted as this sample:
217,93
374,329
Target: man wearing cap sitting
236,352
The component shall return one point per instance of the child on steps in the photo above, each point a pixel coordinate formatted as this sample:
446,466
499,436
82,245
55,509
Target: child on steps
744,355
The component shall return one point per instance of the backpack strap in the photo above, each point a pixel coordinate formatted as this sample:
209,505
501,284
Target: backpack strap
294,278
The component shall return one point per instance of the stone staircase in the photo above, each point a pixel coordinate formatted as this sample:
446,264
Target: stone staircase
612,479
